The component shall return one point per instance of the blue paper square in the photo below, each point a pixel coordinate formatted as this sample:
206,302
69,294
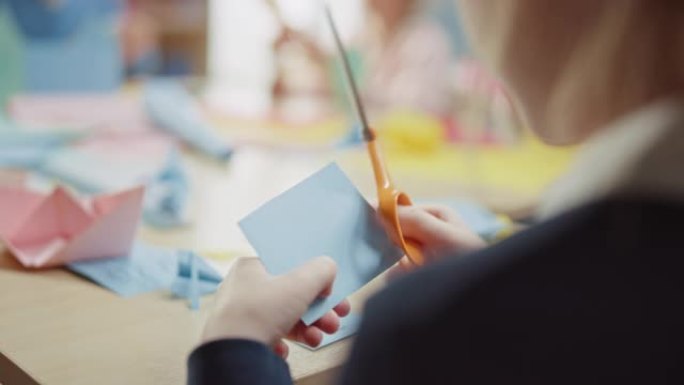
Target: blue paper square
325,215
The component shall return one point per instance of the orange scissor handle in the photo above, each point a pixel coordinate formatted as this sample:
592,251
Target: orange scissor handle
389,200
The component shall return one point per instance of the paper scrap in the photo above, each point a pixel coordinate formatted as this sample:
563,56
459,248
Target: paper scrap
325,215
147,269
195,279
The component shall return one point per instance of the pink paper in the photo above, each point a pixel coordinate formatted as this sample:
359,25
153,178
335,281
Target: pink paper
52,230
113,113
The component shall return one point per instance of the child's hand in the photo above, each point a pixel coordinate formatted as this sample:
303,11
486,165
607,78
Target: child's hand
253,305
438,230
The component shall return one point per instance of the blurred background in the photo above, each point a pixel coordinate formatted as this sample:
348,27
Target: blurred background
218,105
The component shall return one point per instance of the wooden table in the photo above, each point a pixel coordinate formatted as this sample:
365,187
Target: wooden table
62,329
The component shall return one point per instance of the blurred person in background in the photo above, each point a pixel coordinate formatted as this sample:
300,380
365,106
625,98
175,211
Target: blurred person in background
140,41
63,45
405,59
55,19
591,295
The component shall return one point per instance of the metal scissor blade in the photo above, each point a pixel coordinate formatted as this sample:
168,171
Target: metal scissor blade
351,83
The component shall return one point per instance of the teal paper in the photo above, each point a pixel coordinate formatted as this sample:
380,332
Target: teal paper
146,269
166,194
323,215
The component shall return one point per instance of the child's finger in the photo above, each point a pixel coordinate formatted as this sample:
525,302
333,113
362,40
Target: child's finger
343,308
329,323
281,349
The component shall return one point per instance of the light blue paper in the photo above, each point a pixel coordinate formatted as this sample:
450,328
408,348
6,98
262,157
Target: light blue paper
478,218
323,215
195,279
166,196
148,269
166,193
352,138
173,109
21,148
23,157
12,135
84,172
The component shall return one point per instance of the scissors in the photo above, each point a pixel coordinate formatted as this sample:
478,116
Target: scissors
389,198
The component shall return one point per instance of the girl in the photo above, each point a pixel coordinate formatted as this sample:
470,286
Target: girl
407,59
590,295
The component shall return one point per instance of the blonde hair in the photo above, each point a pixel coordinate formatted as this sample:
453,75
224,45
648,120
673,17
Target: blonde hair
614,56
634,55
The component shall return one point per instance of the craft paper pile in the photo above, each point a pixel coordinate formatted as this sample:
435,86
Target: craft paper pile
325,215
52,230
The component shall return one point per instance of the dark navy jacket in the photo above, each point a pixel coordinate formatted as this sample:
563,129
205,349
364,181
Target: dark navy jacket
594,296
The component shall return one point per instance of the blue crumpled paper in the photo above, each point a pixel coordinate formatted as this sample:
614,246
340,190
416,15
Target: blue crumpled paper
148,269
166,196
195,279
172,108
323,215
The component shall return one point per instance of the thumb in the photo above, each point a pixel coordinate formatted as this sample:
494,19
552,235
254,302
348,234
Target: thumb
312,278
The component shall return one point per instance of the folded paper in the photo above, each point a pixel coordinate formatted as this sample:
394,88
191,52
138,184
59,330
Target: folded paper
325,215
173,109
166,198
147,269
52,230
195,278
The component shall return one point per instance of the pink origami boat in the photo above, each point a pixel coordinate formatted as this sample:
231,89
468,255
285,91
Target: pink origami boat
52,230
